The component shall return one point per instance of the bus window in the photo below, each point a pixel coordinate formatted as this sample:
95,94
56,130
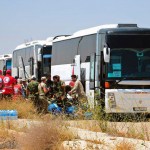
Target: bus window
8,64
129,63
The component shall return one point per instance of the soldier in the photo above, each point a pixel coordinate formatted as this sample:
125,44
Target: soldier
32,91
49,84
61,85
58,90
42,102
24,87
58,86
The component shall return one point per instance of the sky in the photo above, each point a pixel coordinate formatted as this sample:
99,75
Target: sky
26,20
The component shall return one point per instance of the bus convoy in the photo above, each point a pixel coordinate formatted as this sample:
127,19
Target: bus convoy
113,60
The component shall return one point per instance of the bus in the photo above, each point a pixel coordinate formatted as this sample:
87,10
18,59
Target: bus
5,62
111,60
32,59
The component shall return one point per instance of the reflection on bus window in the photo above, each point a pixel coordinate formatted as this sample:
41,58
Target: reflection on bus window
127,62
8,64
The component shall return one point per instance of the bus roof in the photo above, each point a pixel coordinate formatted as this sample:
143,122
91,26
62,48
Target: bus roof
93,30
88,31
5,56
32,43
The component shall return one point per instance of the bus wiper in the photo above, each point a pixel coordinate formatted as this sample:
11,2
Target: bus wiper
118,81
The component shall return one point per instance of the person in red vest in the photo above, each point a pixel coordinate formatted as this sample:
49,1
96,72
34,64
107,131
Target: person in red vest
8,82
1,83
18,90
72,82
1,79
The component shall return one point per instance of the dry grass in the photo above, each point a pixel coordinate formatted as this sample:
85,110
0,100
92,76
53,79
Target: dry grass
25,109
91,125
47,135
130,130
96,142
135,129
10,125
124,145
4,134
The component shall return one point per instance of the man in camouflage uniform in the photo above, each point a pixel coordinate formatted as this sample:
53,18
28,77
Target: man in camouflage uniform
49,84
43,90
32,91
58,89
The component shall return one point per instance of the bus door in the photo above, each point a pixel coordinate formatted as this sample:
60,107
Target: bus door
46,64
46,60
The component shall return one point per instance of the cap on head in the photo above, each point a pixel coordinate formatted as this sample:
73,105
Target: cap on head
8,72
43,78
24,80
33,78
55,77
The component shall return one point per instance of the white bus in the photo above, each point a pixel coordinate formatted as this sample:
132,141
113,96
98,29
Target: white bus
5,62
111,59
32,59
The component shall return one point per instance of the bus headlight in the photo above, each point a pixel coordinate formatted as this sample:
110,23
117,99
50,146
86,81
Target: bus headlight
111,100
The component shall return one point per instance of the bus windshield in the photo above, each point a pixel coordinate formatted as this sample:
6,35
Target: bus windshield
129,63
8,64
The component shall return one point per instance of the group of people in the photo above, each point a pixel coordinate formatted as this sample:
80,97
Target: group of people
40,93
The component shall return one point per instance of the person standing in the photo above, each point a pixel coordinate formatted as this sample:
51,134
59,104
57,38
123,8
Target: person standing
1,79
49,84
58,90
18,90
1,83
9,82
32,91
61,85
24,88
43,90
58,86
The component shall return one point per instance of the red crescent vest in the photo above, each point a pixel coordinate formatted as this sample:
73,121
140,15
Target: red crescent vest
8,82
1,81
17,89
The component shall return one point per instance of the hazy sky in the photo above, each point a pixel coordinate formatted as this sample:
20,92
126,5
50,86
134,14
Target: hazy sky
26,20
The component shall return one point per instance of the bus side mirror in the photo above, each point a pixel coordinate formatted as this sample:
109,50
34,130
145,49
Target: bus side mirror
106,51
39,55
